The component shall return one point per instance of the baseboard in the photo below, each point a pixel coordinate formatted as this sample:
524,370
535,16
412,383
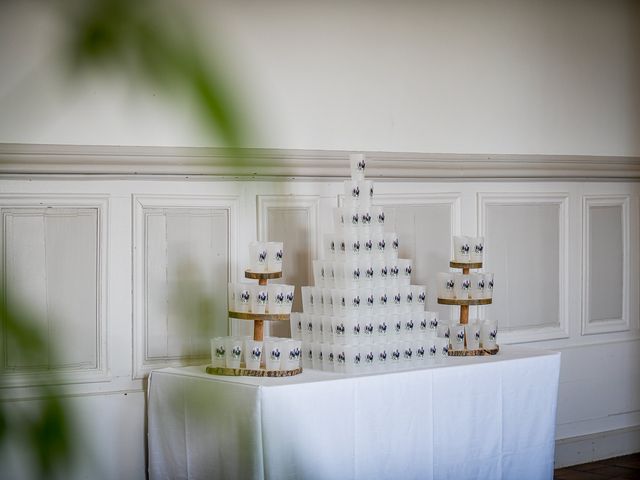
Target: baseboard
597,446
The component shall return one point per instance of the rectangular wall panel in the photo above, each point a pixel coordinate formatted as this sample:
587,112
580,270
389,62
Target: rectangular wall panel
607,259
187,262
53,274
526,249
25,281
606,264
157,287
72,284
424,224
293,221
183,252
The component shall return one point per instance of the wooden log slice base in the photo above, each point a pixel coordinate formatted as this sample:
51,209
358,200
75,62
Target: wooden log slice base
474,353
272,317
262,275
465,265
245,372
471,301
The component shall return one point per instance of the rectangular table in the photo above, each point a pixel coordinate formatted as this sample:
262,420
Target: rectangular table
470,417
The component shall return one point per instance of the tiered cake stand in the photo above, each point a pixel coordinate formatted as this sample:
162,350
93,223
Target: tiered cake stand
464,311
258,320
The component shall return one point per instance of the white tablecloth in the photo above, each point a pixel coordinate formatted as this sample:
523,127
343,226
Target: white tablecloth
473,417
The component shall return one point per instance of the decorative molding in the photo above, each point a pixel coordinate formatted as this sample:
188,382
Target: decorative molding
525,335
142,205
309,203
75,373
42,159
613,324
449,199
452,200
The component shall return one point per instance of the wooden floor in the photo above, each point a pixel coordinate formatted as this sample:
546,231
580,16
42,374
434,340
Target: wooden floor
627,467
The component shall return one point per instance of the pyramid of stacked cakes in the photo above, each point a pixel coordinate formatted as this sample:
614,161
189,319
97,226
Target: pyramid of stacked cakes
363,314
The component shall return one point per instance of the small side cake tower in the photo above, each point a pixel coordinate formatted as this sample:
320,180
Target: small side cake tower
468,289
258,356
258,319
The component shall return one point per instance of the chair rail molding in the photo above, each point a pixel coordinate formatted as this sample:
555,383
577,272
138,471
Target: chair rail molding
44,159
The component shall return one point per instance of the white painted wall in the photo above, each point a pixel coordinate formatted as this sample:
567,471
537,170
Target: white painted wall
477,77
433,76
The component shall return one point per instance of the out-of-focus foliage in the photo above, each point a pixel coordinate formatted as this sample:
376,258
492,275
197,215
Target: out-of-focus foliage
44,428
146,41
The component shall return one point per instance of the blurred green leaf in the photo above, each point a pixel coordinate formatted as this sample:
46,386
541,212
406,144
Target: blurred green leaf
154,42
44,431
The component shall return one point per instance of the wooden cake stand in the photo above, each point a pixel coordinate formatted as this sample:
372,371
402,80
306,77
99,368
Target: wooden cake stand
258,320
246,372
464,311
